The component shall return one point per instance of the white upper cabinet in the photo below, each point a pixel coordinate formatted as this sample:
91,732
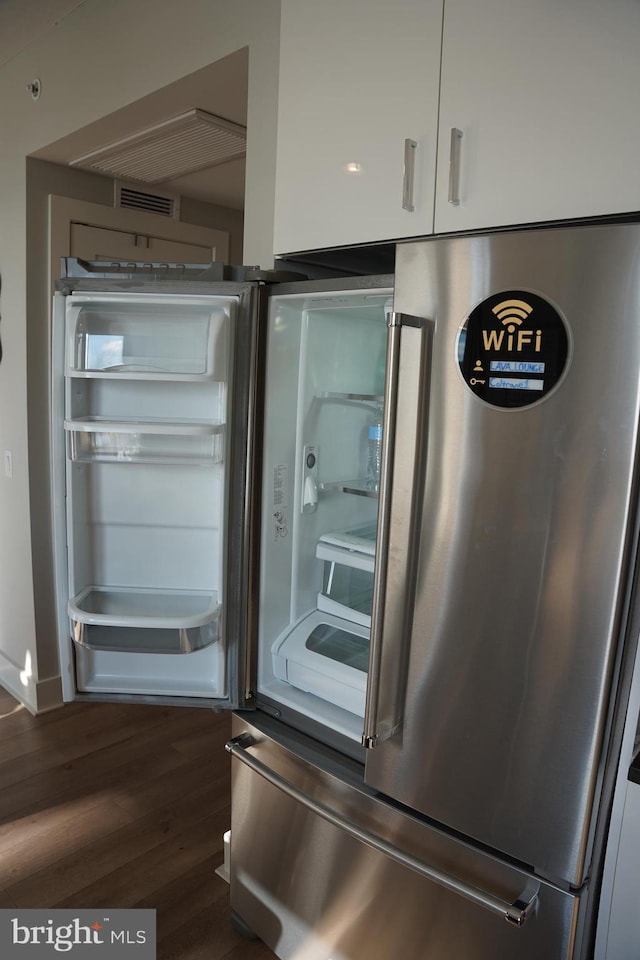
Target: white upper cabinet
545,95
358,88
535,101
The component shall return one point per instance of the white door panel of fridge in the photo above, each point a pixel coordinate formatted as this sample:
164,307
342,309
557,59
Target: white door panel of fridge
145,501
154,389
128,526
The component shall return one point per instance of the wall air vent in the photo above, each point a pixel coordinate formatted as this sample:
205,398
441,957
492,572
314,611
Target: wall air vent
184,144
133,198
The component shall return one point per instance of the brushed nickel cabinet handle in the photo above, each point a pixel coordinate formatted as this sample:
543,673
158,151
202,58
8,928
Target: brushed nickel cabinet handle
408,177
454,166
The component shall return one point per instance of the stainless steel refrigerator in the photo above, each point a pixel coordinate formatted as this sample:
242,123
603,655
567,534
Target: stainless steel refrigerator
432,664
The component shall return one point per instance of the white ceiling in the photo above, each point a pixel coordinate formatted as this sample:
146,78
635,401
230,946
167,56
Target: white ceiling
23,21
220,88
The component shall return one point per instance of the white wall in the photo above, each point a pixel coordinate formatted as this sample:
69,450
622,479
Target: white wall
218,218
98,59
44,179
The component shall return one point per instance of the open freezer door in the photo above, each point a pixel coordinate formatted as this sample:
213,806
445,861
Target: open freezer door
153,433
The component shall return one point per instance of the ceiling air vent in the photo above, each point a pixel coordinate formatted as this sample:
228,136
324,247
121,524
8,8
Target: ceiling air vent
174,148
132,198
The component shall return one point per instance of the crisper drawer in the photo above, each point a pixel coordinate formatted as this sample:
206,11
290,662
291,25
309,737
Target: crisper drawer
326,656
322,868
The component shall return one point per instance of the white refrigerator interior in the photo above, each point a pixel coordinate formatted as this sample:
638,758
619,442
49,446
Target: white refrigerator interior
325,375
145,416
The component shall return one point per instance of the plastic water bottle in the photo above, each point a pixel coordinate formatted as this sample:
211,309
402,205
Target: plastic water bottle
374,453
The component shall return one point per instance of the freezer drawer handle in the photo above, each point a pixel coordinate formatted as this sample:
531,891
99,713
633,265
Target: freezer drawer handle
515,913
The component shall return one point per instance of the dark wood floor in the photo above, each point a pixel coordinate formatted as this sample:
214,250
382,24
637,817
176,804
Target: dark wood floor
112,805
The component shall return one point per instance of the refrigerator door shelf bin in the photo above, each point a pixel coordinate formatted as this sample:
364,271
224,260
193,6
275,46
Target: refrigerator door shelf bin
144,607
163,338
150,621
171,442
136,640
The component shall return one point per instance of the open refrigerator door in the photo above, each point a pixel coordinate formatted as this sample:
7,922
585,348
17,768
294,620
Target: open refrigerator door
152,433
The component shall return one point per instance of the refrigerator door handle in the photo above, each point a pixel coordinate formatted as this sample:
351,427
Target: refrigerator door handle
390,598
516,912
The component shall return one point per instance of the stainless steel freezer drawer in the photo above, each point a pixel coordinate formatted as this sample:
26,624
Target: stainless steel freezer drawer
323,868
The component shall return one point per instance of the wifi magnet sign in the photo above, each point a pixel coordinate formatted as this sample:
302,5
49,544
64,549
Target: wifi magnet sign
513,348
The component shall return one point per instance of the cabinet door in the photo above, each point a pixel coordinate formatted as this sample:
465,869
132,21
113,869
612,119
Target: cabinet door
358,80
544,94
102,243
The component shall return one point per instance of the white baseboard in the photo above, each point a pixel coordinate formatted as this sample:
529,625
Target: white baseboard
224,870
37,696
